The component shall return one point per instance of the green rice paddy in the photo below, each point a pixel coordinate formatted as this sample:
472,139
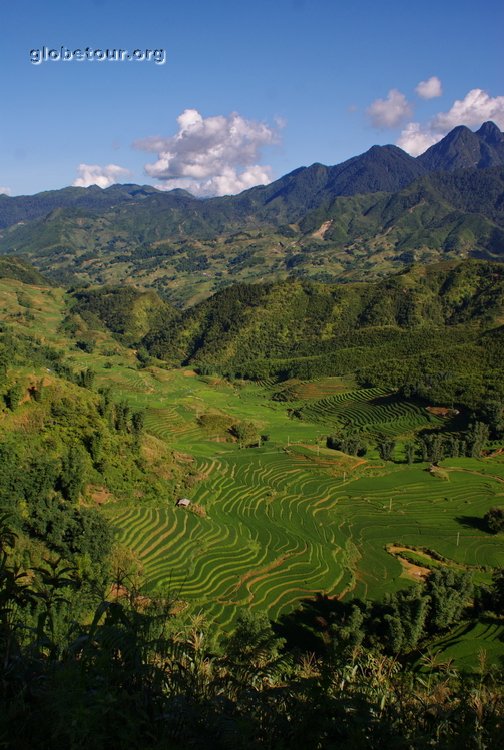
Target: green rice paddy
292,519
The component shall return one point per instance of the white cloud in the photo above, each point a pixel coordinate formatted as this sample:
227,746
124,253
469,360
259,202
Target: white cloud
473,110
5,191
94,174
211,155
429,89
227,183
416,139
389,112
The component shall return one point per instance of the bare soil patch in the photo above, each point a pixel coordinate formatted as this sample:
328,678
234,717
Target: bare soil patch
410,570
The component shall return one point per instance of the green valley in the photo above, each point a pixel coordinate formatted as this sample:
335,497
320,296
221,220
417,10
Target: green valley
299,487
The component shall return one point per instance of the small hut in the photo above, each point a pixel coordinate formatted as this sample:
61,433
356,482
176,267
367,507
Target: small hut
183,502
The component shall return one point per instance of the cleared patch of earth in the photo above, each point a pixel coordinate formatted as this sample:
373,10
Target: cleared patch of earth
410,570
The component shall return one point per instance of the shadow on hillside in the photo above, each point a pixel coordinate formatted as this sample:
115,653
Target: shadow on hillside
473,522
308,628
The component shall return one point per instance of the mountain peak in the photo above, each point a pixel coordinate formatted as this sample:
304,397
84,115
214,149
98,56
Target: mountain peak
457,130
463,149
490,133
387,148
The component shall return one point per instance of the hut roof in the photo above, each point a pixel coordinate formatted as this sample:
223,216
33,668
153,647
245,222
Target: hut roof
184,502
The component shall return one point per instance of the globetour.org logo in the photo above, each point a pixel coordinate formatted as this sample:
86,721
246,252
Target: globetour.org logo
66,54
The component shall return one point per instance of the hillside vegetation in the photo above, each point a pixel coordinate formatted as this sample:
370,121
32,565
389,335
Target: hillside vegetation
435,331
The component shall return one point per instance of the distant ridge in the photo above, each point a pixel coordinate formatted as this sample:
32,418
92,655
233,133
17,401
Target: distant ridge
357,220
380,169
28,207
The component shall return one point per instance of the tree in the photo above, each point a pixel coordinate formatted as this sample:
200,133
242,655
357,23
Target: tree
352,632
36,391
86,345
254,642
493,413
477,437
399,621
449,592
95,445
498,591
4,360
86,378
348,441
494,520
13,396
410,453
73,473
121,416
432,447
143,356
137,422
105,402
246,433
386,449
453,447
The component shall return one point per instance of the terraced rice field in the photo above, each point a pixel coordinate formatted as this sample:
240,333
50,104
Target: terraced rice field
303,390
372,410
268,538
293,519
470,642
413,508
280,527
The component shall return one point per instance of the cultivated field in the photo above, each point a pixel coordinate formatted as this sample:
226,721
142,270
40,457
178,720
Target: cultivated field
291,518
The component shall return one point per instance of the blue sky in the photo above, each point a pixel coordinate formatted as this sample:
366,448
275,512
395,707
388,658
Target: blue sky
308,80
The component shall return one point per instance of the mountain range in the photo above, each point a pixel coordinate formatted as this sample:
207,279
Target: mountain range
363,218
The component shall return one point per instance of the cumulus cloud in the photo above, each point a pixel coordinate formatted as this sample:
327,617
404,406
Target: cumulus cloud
211,155
429,89
415,138
5,190
94,174
389,112
473,110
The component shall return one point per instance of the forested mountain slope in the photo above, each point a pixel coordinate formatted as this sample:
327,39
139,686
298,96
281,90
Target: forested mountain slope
357,220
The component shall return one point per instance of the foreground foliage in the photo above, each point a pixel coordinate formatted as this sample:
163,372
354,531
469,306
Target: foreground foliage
137,675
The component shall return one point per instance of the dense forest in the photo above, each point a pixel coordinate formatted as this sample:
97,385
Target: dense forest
431,332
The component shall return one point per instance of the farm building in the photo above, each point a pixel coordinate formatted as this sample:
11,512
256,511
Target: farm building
183,502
